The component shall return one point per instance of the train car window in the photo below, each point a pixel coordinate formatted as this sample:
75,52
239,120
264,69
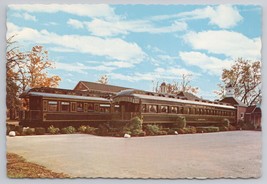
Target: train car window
189,110
96,108
144,108
90,107
116,108
174,110
152,108
45,105
85,107
164,108
73,106
104,107
182,110
52,106
79,107
65,106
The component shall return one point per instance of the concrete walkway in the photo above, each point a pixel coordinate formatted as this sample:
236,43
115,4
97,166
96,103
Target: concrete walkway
212,155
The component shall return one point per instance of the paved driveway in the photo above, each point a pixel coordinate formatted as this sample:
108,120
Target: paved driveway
213,155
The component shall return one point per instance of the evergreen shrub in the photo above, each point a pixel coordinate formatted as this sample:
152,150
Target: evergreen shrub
53,130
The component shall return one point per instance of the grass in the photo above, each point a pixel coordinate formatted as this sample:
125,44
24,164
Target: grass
18,167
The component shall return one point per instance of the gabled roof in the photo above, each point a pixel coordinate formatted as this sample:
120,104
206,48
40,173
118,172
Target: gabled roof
100,87
188,96
233,101
251,109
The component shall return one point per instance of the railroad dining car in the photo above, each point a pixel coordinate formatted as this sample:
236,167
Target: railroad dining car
46,108
157,108
43,107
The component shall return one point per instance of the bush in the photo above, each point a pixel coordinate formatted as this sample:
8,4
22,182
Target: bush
190,130
152,130
68,130
225,122
39,131
134,127
90,130
207,129
103,129
19,129
248,126
82,129
8,129
231,128
28,131
53,130
223,128
180,122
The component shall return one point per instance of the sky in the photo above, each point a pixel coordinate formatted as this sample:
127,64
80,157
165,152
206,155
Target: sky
138,45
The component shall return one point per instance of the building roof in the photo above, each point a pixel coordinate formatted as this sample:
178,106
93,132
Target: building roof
251,109
68,96
188,96
131,93
100,87
233,101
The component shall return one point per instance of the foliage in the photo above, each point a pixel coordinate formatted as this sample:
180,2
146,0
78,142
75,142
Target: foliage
26,69
90,130
207,129
180,122
231,127
223,128
226,122
8,129
29,131
82,129
68,130
245,77
182,85
247,126
18,167
103,129
103,79
39,131
153,130
134,127
53,130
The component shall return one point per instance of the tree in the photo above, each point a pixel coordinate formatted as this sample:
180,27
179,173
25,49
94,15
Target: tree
26,69
178,86
103,79
13,59
245,77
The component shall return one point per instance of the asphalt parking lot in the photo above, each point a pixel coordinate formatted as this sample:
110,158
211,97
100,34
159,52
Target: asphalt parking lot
234,154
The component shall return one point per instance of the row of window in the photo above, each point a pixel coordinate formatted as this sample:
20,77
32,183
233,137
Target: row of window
65,106
181,110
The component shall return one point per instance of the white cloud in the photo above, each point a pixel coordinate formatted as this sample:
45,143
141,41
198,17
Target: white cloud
25,16
81,68
231,44
211,65
111,28
75,23
112,48
224,16
159,73
88,10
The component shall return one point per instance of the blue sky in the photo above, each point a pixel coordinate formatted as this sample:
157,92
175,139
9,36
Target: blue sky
137,44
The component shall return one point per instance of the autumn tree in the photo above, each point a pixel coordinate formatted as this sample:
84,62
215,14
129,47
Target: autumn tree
103,79
13,59
182,85
26,69
245,77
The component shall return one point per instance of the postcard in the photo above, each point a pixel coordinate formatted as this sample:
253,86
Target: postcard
133,91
